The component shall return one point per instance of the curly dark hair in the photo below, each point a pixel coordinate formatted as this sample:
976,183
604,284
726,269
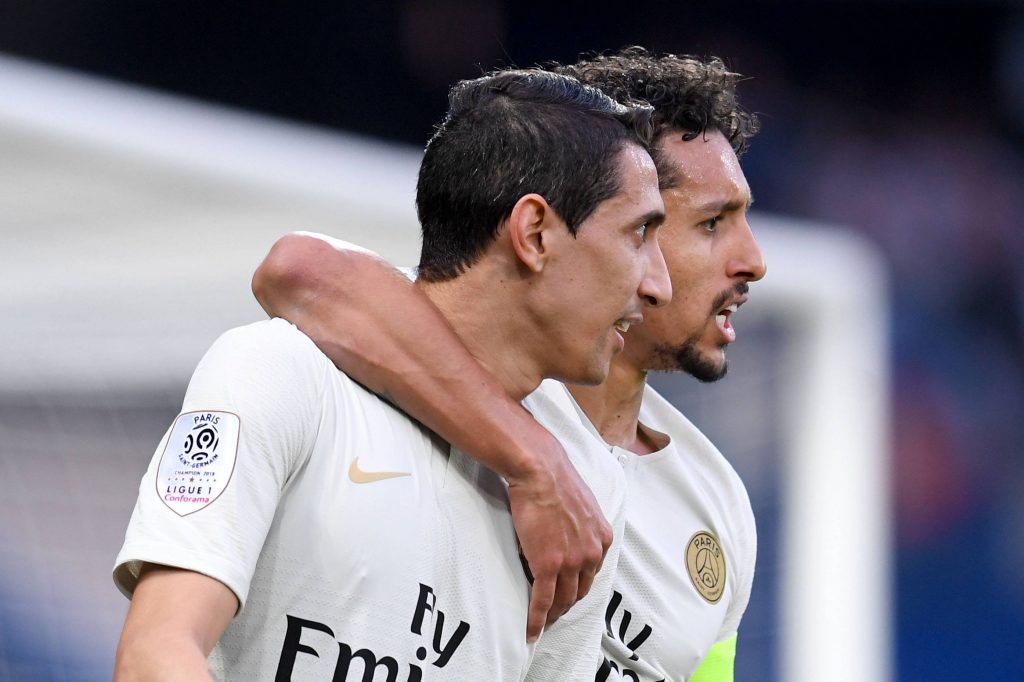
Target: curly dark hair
688,94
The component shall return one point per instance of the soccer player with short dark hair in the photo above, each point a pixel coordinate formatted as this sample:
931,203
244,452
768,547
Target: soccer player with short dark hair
293,524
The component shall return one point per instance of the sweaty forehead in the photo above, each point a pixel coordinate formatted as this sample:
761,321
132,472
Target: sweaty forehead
706,162
637,199
637,170
639,179
635,159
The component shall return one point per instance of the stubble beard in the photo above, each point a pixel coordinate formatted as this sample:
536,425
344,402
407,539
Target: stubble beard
686,358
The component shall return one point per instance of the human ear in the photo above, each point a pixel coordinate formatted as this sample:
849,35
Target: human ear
527,228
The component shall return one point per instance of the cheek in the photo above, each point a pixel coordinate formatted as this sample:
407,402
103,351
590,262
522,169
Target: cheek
686,316
635,267
692,279
690,265
621,276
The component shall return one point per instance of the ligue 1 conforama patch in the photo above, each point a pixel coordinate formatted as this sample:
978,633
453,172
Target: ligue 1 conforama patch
198,460
705,562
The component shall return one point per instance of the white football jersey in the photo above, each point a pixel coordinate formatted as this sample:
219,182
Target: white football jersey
360,546
357,546
687,560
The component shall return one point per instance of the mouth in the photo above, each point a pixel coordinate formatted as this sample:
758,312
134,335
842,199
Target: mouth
725,313
623,324
723,318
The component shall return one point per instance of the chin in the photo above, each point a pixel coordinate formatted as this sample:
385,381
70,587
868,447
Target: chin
705,370
688,358
590,374
594,377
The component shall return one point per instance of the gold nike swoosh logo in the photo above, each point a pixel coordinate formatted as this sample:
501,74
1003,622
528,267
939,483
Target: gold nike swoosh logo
357,475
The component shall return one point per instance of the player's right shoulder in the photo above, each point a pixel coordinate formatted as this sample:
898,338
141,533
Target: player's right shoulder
275,358
267,341
273,335
266,352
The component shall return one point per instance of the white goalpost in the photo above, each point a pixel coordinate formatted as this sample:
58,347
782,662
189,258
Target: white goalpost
131,222
829,288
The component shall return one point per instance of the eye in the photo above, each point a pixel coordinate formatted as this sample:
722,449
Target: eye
641,230
712,224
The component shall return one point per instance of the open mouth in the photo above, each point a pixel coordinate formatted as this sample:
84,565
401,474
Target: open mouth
724,314
622,326
724,321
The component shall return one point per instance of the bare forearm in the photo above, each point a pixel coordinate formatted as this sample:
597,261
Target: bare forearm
160,659
165,638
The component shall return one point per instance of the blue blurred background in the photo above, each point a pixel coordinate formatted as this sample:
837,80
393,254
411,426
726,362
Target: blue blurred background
903,120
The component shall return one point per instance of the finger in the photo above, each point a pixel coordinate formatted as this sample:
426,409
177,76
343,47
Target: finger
586,582
606,534
541,597
565,594
591,567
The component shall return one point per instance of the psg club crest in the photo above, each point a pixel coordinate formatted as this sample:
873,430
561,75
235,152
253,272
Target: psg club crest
198,460
705,562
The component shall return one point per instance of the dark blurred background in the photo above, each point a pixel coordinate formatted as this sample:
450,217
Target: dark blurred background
903,120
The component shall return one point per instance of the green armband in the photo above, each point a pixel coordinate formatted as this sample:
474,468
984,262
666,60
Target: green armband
717,666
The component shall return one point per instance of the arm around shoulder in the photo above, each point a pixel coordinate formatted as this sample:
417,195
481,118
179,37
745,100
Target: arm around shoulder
385,333
332,290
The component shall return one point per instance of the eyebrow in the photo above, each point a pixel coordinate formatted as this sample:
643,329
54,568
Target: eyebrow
718,207
651,218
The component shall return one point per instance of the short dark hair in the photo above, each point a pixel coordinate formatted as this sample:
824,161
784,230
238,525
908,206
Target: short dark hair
688,94
512,133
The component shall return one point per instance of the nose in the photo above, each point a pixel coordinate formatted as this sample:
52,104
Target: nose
656,287
747,262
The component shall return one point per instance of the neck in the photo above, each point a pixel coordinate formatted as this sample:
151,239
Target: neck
501,343
614,407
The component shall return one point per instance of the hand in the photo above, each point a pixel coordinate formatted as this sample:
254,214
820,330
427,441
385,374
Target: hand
563,536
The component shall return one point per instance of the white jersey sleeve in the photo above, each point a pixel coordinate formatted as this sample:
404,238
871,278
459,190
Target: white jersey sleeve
248,420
